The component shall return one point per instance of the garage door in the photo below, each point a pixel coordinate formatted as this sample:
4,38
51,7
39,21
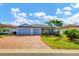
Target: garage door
36,31
24,31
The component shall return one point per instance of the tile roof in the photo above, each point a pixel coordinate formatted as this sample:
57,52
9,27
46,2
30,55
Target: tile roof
7,25
33,26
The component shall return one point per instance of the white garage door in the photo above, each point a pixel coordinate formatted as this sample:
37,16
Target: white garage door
36,31
24,31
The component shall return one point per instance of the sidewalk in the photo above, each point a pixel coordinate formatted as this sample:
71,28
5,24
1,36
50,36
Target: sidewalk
38,51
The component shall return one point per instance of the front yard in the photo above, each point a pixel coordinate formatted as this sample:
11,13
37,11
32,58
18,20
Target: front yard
60,42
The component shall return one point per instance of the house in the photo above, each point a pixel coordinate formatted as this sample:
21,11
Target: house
68,27
25,29
33,29
6,28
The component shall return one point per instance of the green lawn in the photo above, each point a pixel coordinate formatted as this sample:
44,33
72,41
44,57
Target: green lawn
60,42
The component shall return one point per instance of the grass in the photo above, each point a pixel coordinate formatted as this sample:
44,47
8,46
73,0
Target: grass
61,42
1,36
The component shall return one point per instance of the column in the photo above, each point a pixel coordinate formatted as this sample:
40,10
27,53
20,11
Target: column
31,31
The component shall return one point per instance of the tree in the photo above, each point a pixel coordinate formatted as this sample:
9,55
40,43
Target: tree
55,23
50,27
58,24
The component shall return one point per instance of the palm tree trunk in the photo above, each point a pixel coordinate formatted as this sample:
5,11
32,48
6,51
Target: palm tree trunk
52,30
58,30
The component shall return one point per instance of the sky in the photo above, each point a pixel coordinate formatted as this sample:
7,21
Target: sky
38,13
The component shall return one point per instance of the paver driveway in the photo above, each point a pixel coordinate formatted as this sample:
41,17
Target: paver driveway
15,42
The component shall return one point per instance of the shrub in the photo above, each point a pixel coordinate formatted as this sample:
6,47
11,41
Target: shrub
63,37
72,33
56,34
44,32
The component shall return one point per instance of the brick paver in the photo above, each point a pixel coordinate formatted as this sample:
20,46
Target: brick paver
20,42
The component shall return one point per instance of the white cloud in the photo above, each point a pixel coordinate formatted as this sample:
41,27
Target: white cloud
22,14
72,5
43,15
67,13
31,21
14,23
17,13
30,14
19,16
75,5
20,20
50,17
14,10
39,14
67,8
73,19
58,11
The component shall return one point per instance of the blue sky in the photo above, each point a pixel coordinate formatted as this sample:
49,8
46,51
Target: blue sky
32,13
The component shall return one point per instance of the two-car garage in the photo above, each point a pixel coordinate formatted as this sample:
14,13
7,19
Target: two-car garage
28,31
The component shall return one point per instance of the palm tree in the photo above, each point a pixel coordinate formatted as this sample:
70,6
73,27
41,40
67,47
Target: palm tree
58,24
50,26
55,23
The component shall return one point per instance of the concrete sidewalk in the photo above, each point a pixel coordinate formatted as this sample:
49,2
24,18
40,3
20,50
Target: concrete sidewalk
38,51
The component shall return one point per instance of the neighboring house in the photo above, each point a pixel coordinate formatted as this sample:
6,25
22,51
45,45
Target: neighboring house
70,26
6,28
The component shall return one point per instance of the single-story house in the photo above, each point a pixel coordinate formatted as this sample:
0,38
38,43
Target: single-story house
26,29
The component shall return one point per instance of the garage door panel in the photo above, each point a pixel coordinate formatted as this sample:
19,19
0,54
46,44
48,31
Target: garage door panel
29,31
36,31
24,31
